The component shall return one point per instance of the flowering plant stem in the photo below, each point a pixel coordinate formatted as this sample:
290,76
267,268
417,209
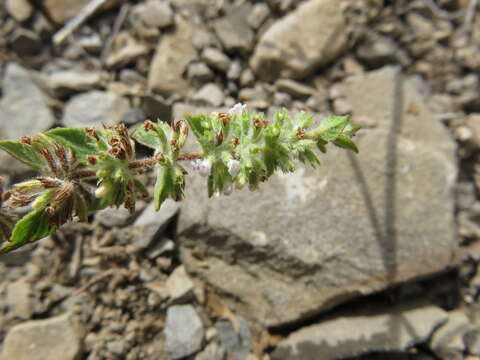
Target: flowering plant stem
85,170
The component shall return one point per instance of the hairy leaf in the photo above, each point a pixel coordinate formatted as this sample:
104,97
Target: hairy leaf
346,143
32,227
23,152
148,138
332,127
76,139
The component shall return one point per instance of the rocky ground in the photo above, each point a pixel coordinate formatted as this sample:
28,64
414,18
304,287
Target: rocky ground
372,256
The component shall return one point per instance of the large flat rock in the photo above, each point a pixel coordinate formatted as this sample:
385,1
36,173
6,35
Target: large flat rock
310,240
348,336
307,38
174,52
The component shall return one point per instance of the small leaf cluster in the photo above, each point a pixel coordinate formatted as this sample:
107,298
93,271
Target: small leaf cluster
82,170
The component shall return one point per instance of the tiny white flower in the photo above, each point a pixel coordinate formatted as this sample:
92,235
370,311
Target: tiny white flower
202,166
237,109
233,167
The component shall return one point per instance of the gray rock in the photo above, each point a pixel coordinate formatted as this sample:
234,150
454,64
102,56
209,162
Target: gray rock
154,13
200,72
164,246
62,10
117,347
93,43
134,116
125,50
247,77
211,352
282,99
56,338
94,108
26,42
113,217
235,341
465,195
18,299
447,342
471,340
20,10
172,56
322,26
341,107
349,336
294,88
151,224
180,286
380,224
209,94
216,59
184,331
234,70
258,15
233,30
156,107
66,82
24,102
377,51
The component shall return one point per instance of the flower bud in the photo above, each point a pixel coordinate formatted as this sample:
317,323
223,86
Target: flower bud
237,109
233,167
202,166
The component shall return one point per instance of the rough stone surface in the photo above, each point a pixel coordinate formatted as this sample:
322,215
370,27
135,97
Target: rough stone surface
349,336
294,88
315,238
151,224
211,352
183,331
125,50
172,56
94,108
209,94
200,72
180,286
24,102
258,15
322,27
233,30
61,10
55,338
154,13
68,81
216,59
20,10
447,342
235,341
18,299
113,217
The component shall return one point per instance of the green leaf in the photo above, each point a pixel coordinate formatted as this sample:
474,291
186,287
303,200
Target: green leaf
311,157
350,129
346,143
303,120
32,227
321,145
148,138
195,122
163,186
76,139
23,152
332,127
